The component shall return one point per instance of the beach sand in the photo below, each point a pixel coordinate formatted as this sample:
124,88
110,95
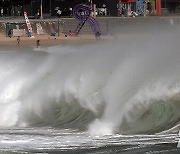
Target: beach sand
46,40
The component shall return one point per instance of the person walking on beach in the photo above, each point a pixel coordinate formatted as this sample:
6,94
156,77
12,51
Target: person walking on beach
97,35
38,43
10,33
18,40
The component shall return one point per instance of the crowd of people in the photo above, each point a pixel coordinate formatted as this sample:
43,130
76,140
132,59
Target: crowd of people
19,40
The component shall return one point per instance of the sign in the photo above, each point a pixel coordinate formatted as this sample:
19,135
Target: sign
28,24
39,29
19,32
140,7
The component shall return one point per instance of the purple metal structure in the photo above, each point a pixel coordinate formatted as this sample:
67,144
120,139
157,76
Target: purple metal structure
82,13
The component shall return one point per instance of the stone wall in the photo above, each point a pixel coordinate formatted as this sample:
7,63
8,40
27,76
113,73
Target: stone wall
107,25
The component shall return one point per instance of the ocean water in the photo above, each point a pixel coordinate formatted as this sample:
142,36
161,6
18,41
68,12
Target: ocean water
120,95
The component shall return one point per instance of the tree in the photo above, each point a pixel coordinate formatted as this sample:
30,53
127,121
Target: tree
8,3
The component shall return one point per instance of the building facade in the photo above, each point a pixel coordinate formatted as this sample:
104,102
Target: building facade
103,7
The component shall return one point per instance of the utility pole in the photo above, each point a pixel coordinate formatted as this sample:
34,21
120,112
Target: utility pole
50,9
91,4
94,10
41,9
158,7
145,7
31,7
58,26
119,7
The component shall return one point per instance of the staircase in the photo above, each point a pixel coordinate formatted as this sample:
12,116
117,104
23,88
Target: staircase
79,27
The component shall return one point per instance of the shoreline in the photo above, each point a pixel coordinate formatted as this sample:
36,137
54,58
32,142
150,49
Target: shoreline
110,27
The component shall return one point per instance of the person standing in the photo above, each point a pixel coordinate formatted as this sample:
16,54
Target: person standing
1,12
38,14
70,11
38,43
18,40
149,7
123,12
59,13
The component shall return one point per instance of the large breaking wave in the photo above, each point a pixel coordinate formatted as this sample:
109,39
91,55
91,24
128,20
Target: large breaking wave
120,86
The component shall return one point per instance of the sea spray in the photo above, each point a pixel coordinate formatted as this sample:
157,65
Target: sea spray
152,75
122,85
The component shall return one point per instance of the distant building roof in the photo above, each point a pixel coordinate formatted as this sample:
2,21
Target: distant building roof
128,1
170,0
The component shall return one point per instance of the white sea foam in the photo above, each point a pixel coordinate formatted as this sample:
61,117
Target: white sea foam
117,86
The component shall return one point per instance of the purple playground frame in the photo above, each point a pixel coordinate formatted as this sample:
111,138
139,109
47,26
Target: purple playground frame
82,13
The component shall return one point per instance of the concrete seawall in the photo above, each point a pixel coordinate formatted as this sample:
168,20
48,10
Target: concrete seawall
108,25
